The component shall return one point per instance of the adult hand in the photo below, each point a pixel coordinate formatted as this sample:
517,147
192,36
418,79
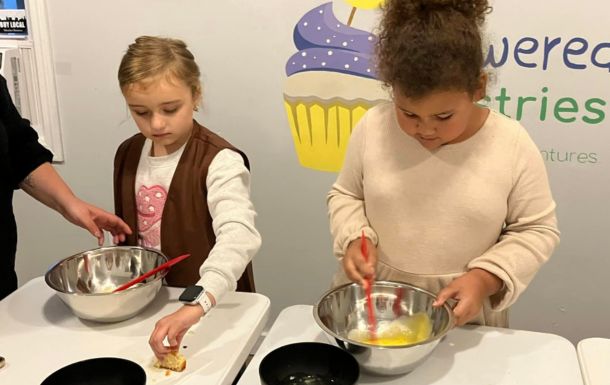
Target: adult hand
469,290
46,186
354,264
95,220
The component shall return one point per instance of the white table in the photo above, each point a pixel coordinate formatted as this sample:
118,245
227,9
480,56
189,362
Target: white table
39,334
473,355
594,357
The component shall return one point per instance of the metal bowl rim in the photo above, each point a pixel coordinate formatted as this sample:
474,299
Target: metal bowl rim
440,335
160,275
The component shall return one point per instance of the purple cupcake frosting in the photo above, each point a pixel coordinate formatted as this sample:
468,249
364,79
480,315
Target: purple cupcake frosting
326,44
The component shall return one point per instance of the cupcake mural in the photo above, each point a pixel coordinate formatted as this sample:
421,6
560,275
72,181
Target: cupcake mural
331,83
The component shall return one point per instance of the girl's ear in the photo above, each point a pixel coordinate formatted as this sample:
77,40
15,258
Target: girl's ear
197,98
481,90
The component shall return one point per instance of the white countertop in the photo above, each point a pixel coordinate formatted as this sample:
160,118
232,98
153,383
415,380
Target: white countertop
594,357
472,355
39,334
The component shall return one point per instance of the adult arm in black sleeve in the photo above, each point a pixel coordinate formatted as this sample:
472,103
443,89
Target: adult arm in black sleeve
30,169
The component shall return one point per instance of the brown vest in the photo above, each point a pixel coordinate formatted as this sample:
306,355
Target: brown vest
186,225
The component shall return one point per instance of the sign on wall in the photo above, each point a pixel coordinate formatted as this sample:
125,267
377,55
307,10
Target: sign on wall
25,38
549,82
13,23
556,90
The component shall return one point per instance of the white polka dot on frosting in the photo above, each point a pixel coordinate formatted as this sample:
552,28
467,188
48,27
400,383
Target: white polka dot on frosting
305,24
330,53
303,54
158,195
344,44
151,209
355,58
323,63
328,41
346,66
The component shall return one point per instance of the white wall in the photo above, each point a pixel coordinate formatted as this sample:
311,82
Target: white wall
568,296
242,47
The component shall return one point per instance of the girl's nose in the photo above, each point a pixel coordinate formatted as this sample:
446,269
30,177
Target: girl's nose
425,129
157,122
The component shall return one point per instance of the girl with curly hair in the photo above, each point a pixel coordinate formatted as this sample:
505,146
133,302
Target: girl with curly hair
452,196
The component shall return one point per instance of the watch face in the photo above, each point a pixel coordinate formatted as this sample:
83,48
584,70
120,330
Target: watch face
191,294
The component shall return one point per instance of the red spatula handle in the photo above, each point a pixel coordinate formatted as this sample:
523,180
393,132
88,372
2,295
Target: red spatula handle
368,289
157,269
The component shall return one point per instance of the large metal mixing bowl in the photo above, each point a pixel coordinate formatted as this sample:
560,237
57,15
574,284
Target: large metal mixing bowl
344,309
85,281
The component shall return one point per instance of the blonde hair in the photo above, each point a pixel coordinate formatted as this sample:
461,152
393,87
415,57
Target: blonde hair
151,56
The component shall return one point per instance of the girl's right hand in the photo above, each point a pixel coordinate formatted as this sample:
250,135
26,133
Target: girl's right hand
173,327
356,267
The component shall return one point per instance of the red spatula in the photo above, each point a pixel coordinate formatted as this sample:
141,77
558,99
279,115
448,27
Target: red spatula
157,269
367,289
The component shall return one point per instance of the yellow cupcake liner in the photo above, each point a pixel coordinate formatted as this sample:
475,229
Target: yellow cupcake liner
321,128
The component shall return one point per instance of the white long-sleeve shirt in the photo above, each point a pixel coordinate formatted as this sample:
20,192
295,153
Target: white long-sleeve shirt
228,199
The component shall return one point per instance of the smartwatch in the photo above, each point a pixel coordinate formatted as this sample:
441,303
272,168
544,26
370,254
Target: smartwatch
194,295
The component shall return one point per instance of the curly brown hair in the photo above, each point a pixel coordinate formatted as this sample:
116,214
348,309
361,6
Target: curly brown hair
431,45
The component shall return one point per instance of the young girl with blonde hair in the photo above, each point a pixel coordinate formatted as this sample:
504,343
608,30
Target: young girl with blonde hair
181,187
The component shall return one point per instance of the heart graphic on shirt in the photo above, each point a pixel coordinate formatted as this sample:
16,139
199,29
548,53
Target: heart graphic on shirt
150,202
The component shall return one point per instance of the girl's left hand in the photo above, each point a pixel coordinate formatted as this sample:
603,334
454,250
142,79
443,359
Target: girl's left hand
174,327
470,290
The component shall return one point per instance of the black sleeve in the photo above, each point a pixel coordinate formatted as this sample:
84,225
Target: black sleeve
24,152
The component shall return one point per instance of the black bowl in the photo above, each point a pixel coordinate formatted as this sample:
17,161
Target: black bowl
308,363
99,371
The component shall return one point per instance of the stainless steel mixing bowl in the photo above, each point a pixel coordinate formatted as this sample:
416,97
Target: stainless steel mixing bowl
344,308
85,281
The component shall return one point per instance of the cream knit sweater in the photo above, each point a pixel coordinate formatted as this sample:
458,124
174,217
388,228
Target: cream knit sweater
483,203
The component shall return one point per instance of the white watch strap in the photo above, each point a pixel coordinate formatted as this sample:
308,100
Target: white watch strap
206,303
